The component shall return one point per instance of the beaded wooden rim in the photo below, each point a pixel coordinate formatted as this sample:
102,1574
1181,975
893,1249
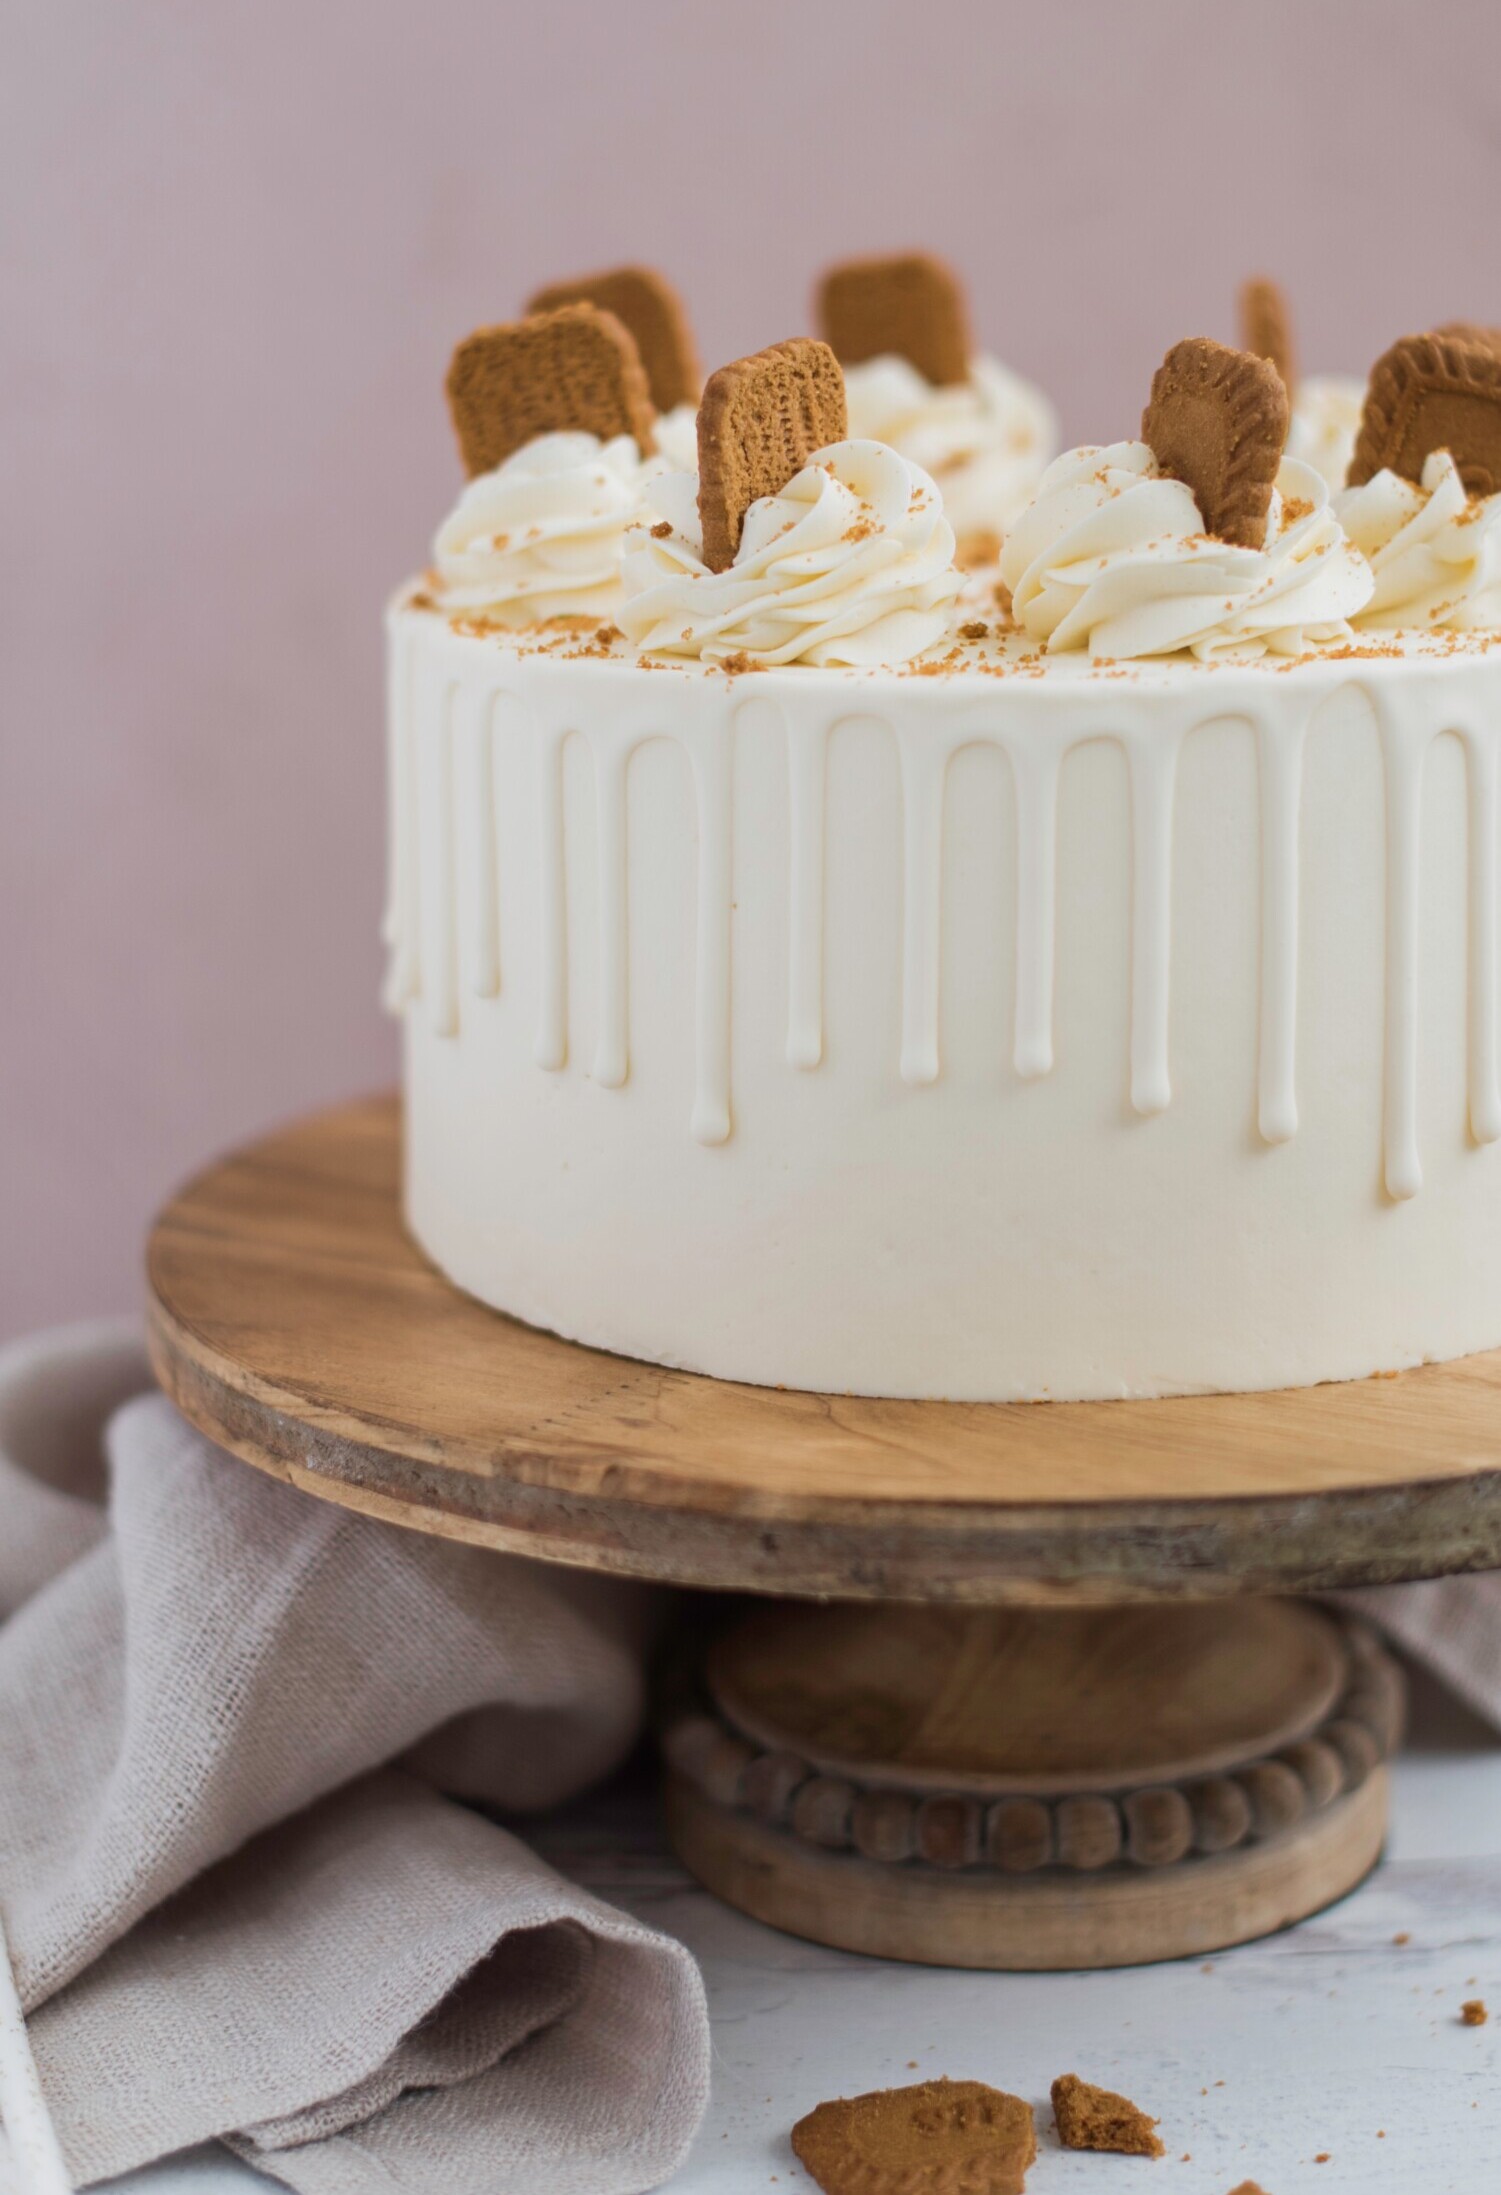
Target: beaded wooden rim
1143,1826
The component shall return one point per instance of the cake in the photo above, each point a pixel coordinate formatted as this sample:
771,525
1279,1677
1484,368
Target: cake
1072,977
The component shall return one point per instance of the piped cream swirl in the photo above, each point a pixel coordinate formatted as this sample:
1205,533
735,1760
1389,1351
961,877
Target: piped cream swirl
1435,551
985,441
541,536
852,563
1112,556
1324,424
677,437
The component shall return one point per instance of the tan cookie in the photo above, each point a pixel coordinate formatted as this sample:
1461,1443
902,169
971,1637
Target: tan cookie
910,303
1096,2118
651,308
937,2138
1217,420
759,422
1472,331
1433,392
578,368
1266,328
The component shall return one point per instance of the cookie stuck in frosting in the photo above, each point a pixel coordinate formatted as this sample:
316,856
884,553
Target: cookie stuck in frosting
760,420
850,563
903,305
1217,421
645,302
1434,392
574,370
1266,326
1112,556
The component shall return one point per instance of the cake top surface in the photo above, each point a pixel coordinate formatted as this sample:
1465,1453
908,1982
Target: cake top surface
912,520
983,645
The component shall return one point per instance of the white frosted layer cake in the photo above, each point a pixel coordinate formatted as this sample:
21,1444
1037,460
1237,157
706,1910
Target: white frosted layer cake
1016,1027
1054,963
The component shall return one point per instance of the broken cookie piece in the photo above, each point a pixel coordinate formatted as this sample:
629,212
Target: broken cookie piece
1096,2118
924,2140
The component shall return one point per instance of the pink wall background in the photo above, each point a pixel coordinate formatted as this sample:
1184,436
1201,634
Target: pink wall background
238,242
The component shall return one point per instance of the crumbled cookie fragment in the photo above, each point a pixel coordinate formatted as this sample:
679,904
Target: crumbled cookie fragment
1474,2012
1096,2118
929,2139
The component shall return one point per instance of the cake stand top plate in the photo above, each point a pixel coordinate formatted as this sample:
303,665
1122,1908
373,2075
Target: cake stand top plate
295,1322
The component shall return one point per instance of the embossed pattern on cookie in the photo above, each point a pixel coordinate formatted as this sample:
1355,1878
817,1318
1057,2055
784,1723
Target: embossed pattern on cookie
577,368
1217,421
908,303
1433,392
936,2138
1472,331
645,302
759,422
1266,328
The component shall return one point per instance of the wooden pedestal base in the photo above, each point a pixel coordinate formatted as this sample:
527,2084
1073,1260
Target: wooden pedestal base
1035,1789
1052,1723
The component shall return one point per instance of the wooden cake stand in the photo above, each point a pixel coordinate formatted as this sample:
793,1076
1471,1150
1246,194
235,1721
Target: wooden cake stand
1037,1705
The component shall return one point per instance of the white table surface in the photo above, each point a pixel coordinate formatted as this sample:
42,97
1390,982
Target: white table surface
1331,2037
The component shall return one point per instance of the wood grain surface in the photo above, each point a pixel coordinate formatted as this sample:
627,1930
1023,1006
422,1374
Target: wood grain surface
293,1319
1034,1700
1028,1924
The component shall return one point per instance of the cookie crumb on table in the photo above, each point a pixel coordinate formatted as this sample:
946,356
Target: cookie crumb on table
1473,2012
1096,2118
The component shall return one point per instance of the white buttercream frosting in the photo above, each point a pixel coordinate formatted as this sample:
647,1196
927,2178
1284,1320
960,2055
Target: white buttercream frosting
541,535
852,563
1435,551
1112,556
985,440
1325,421
677,437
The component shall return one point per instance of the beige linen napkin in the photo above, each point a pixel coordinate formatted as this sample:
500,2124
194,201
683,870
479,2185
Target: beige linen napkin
227,1914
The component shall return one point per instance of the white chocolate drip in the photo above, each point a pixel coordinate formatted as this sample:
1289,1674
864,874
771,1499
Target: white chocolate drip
475,793
551,1047
1483,765
442,921
612,1057
1279,754
1404,756
400,927
807,775
1152,757
1036,774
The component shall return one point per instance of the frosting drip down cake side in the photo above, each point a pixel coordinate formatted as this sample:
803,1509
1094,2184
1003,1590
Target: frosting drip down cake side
831,970
985,1035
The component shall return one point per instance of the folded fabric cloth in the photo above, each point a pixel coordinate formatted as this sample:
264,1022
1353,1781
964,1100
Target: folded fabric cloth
237,1902
239,1898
